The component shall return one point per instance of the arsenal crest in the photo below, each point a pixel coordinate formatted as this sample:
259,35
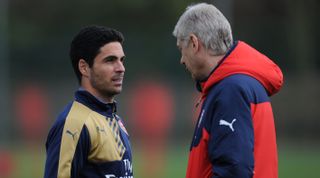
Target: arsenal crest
122,126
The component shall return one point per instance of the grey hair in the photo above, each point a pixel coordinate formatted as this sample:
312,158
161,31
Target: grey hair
208,24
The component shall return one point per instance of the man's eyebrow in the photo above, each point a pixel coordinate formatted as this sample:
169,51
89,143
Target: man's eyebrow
111,57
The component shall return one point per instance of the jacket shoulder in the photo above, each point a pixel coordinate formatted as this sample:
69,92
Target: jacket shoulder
72,129
241,85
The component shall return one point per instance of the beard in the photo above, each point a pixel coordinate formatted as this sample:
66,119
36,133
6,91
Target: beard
104,87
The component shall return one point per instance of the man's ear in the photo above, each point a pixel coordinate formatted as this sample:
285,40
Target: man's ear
194,42
84,68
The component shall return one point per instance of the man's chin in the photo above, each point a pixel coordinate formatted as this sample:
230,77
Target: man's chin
117,90
112,92
198,77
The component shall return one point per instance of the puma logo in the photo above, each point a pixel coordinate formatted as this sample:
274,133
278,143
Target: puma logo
72,134
100,130
223,122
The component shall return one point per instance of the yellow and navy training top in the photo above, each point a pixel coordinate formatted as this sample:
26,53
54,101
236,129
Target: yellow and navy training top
88,140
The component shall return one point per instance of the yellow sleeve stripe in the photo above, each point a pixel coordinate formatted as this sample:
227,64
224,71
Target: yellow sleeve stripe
70,136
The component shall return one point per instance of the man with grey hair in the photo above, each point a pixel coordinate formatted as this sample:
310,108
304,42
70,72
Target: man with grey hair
235,133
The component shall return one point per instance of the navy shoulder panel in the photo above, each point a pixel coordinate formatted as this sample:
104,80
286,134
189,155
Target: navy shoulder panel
249,86
53,144
231,98
59,123
227,118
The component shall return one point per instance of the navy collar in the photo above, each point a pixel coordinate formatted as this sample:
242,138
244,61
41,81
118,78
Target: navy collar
86,98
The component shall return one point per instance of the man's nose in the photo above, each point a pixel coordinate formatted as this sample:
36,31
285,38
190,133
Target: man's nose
181,60
120,67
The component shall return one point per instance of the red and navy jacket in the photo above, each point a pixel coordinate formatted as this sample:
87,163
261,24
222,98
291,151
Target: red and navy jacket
88,140
235,133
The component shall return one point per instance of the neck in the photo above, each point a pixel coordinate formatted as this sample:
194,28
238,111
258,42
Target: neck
211,62
105,99
99,95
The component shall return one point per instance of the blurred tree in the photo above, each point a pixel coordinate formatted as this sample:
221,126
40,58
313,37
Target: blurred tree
303,17
4,74
39,33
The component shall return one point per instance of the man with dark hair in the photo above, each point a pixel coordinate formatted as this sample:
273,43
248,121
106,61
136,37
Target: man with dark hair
88,140
235,134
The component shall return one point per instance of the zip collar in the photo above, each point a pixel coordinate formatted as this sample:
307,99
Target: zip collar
94,103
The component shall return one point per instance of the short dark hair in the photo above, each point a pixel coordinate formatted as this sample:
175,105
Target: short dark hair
87,43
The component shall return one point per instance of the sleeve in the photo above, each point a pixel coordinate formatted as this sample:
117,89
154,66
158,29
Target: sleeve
231,139
81,155
53,148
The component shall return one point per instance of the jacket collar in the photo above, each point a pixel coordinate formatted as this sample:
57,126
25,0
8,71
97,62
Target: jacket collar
200,83
244,59
94,103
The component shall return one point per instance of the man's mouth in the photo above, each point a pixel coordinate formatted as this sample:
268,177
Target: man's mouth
186,67
117,80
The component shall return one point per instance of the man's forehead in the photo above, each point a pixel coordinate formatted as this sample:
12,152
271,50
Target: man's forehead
111,49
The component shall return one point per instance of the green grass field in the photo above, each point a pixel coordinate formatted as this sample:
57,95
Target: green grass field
294,162
299,161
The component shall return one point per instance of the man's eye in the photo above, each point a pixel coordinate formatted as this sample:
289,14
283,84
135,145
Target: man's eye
109,59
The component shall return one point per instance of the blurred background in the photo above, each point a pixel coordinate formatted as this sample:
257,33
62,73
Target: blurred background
37,80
